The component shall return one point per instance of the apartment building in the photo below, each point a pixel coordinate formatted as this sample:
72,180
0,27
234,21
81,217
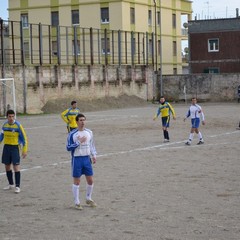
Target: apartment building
157,24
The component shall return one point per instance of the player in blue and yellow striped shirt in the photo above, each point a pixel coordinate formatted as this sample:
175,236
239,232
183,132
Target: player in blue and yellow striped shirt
165,109
14,137
69,116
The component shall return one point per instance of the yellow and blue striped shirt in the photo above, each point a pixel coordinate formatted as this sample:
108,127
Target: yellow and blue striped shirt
14,134
69,116
165,109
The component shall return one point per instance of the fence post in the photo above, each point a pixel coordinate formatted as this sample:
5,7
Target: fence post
40,43
91,46
22,44
99,46
105,46
126,59
132,48
147,50
75,45
31,43
112,47
49,44
58,45
143,47
13,46
84,49
152,43
67,46
2,41
138,44
119,48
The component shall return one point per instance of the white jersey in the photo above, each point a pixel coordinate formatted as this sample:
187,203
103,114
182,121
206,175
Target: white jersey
195,111
86,148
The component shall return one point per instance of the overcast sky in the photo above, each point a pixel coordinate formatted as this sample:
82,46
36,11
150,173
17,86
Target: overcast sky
201,8
215,8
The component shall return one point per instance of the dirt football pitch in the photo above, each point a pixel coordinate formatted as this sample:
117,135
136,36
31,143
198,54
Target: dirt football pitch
144,188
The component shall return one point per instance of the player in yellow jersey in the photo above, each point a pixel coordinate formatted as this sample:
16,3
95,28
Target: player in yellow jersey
165,109
69,116
14,137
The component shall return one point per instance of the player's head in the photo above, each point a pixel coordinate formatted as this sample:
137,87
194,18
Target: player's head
73,104
194,100
80,119
10,116
80,116
162,99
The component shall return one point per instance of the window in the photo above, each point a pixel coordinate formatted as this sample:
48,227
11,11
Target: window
211,70
149,17
158,18
174,21
24,19
77,47
54,19
75,17
104,47
54,48
104,15
132,15
174,48
174,71
213,45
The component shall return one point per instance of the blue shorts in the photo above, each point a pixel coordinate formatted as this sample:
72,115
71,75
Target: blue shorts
195,122
10,155
81,166
166,121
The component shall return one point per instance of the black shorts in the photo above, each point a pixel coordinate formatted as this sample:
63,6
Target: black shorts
11,155
166,121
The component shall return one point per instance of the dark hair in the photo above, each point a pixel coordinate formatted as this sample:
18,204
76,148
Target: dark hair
79,116
10,111
73,102
162,97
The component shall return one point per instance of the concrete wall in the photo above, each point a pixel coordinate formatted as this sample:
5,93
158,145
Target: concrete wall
206,87
36,85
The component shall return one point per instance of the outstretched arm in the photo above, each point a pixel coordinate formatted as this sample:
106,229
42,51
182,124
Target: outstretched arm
172,111
157,114
187,115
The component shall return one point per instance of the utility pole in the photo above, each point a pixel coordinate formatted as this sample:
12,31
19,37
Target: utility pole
155,22
161,53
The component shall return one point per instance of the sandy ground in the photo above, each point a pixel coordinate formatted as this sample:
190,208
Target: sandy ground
144,188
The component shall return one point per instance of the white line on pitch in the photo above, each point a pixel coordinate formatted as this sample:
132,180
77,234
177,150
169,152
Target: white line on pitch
162,146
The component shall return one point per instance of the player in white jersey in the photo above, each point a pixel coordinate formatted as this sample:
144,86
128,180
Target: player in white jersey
80,143
195,113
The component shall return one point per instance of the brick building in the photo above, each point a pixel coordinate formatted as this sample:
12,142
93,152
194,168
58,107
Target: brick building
214,45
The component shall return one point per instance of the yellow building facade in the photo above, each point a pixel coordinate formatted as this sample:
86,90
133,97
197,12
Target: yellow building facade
161,20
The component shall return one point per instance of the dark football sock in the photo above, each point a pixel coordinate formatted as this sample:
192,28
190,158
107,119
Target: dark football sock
10,177
17,178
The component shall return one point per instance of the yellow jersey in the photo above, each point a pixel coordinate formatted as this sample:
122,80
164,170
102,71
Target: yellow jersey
165,109
69,116
14,134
